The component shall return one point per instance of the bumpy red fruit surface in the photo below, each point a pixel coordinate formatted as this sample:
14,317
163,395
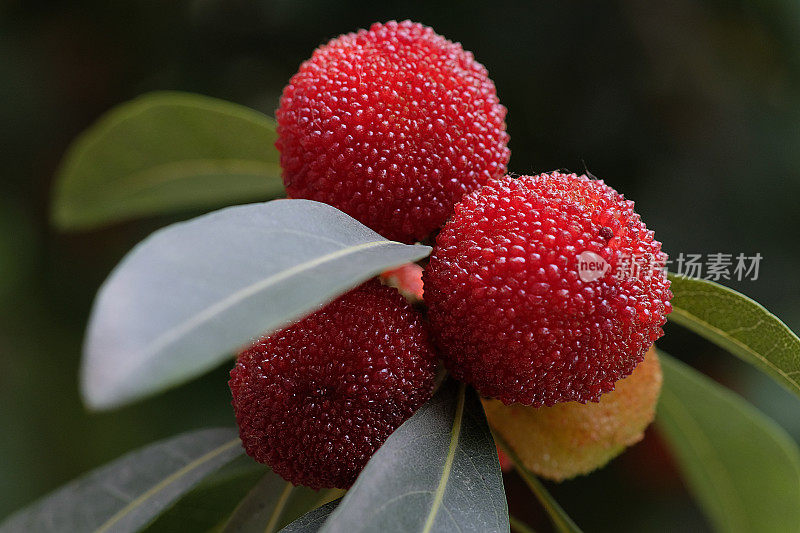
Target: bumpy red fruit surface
509,308
392,126
316,400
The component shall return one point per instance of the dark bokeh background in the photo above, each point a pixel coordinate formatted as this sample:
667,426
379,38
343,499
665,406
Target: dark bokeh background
692,109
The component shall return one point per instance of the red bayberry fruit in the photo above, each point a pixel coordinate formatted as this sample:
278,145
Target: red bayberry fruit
392,126
569,439
509,308
407,279
315,400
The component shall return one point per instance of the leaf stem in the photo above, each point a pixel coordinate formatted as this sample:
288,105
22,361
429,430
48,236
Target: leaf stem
455,431
519,526
280,505
558,516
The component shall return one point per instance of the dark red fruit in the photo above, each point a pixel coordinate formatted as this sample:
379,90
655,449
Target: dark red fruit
392,126
509,308
315,400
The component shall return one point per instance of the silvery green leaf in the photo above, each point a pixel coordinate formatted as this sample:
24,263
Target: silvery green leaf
437,472
128,493
272,504
312,521
191,294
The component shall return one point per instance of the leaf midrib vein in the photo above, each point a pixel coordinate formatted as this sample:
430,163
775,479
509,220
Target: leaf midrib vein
279,507
455,432
164,483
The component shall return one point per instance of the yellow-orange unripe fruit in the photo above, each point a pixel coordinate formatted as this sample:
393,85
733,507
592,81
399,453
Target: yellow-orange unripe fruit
570,439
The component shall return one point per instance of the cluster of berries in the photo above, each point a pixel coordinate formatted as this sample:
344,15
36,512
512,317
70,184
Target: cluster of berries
402,129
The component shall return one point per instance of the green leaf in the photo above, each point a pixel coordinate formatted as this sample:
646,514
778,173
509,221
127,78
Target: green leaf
209,504
272,504
743,469
130,492
163,152
560,519
190,294
437,472
311,522
740,325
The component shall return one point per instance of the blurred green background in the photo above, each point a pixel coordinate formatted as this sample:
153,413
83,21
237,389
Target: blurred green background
692,109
